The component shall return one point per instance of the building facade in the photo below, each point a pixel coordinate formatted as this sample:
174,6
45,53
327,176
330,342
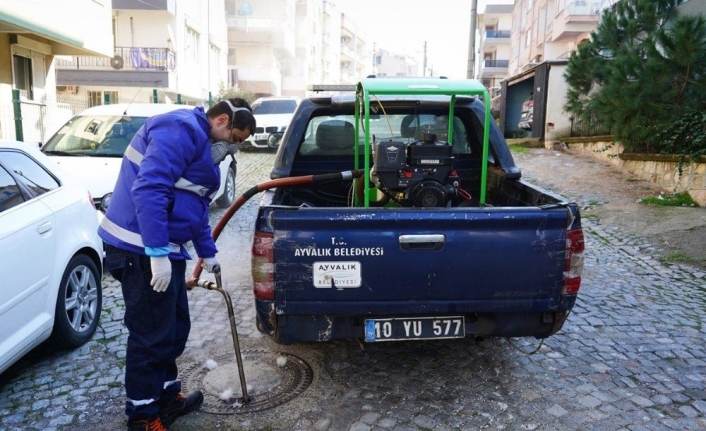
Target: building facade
543,35
386,63
29,45
494,28
164,51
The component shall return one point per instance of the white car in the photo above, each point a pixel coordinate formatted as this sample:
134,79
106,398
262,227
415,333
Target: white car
91,145
51,255
272,114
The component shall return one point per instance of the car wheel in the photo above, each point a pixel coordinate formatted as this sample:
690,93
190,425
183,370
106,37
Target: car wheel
79,303
228,196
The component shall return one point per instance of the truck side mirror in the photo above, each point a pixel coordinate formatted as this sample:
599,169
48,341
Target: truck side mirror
274,139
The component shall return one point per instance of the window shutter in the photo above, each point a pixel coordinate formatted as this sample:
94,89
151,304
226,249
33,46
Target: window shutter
38,76
18,50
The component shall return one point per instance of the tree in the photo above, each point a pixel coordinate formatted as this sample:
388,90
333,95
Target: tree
642,70
225,92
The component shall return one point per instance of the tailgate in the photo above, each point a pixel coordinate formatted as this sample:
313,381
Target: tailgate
369,261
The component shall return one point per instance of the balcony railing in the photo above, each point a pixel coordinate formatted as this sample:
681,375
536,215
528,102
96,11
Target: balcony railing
158,59
497,34
583,8
496,63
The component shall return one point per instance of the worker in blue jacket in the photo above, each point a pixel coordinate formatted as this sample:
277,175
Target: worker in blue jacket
168,176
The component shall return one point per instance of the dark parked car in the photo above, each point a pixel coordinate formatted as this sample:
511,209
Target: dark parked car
526,114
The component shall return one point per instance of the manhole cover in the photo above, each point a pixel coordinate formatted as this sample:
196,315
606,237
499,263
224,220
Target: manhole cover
269,385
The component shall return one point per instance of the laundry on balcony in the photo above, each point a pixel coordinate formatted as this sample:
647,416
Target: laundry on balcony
149,58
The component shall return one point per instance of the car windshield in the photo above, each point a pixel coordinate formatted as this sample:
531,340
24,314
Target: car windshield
95,136
265,107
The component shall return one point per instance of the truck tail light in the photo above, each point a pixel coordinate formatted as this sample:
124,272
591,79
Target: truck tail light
263,276
573,265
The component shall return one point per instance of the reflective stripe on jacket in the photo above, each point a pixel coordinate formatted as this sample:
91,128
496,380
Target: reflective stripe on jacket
164,188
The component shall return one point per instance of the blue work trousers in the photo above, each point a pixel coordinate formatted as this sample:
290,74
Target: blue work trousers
158,325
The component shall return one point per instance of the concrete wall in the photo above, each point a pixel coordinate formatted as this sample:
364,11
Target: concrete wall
659,169
557,122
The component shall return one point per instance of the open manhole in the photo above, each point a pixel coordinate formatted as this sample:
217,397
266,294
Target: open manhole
269,385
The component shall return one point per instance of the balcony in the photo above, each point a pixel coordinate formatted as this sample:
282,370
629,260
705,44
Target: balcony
497,34
493,38
165,5
276,31
130,66
259,80
493,68
576,18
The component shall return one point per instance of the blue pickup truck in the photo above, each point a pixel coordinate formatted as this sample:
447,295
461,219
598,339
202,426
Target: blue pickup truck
439,238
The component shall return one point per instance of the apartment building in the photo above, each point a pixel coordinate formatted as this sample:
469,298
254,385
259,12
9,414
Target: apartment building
494,28
356,54
543,35
387,63
29,45
261,44
167,51
280,47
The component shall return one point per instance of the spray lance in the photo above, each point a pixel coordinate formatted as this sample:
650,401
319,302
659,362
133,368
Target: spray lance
225,218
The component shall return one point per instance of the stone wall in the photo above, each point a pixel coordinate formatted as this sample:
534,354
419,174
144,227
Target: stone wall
662,170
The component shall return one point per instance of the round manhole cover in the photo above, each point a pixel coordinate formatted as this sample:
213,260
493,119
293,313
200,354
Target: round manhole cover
268,384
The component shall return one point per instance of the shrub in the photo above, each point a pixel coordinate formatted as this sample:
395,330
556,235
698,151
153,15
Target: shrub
686,136
682,199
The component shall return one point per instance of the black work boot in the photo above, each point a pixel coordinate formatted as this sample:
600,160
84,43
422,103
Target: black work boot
149,424
179,406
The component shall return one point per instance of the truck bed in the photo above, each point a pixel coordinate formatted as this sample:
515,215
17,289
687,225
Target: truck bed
504,260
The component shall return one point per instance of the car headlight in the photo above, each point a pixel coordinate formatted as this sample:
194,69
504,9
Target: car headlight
105,202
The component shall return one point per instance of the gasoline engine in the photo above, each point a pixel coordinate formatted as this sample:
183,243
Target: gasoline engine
418,175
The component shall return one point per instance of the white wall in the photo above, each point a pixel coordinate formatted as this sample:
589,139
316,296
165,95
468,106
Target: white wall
557,121
160,29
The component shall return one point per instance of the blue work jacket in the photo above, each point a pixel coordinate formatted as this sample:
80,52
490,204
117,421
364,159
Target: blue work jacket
166,182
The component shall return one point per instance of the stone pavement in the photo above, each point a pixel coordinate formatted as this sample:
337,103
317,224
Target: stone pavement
632,356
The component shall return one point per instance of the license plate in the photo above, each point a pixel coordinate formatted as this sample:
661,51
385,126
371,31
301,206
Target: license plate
414,328
261,136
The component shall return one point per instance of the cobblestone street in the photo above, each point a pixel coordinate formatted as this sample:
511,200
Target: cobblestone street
632,356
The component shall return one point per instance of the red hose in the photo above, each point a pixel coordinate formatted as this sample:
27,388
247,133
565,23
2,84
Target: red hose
281,182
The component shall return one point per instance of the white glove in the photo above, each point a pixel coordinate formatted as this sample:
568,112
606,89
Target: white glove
210,264
161,273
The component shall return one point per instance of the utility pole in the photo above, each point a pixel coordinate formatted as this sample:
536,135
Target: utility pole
470,69
424,71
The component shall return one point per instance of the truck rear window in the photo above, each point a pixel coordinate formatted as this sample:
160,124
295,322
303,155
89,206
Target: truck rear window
335,135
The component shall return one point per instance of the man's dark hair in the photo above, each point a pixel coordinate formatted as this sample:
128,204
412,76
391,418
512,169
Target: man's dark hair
239,118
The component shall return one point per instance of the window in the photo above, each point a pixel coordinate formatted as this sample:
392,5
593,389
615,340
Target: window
10,195
335,135
528,38
112,96
192,46
266,107
95,98
28,173
214,62
22,72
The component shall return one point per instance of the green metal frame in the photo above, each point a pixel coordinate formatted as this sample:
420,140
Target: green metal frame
420,86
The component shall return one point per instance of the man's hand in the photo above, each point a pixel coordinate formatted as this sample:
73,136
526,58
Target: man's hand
161,273
210,264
